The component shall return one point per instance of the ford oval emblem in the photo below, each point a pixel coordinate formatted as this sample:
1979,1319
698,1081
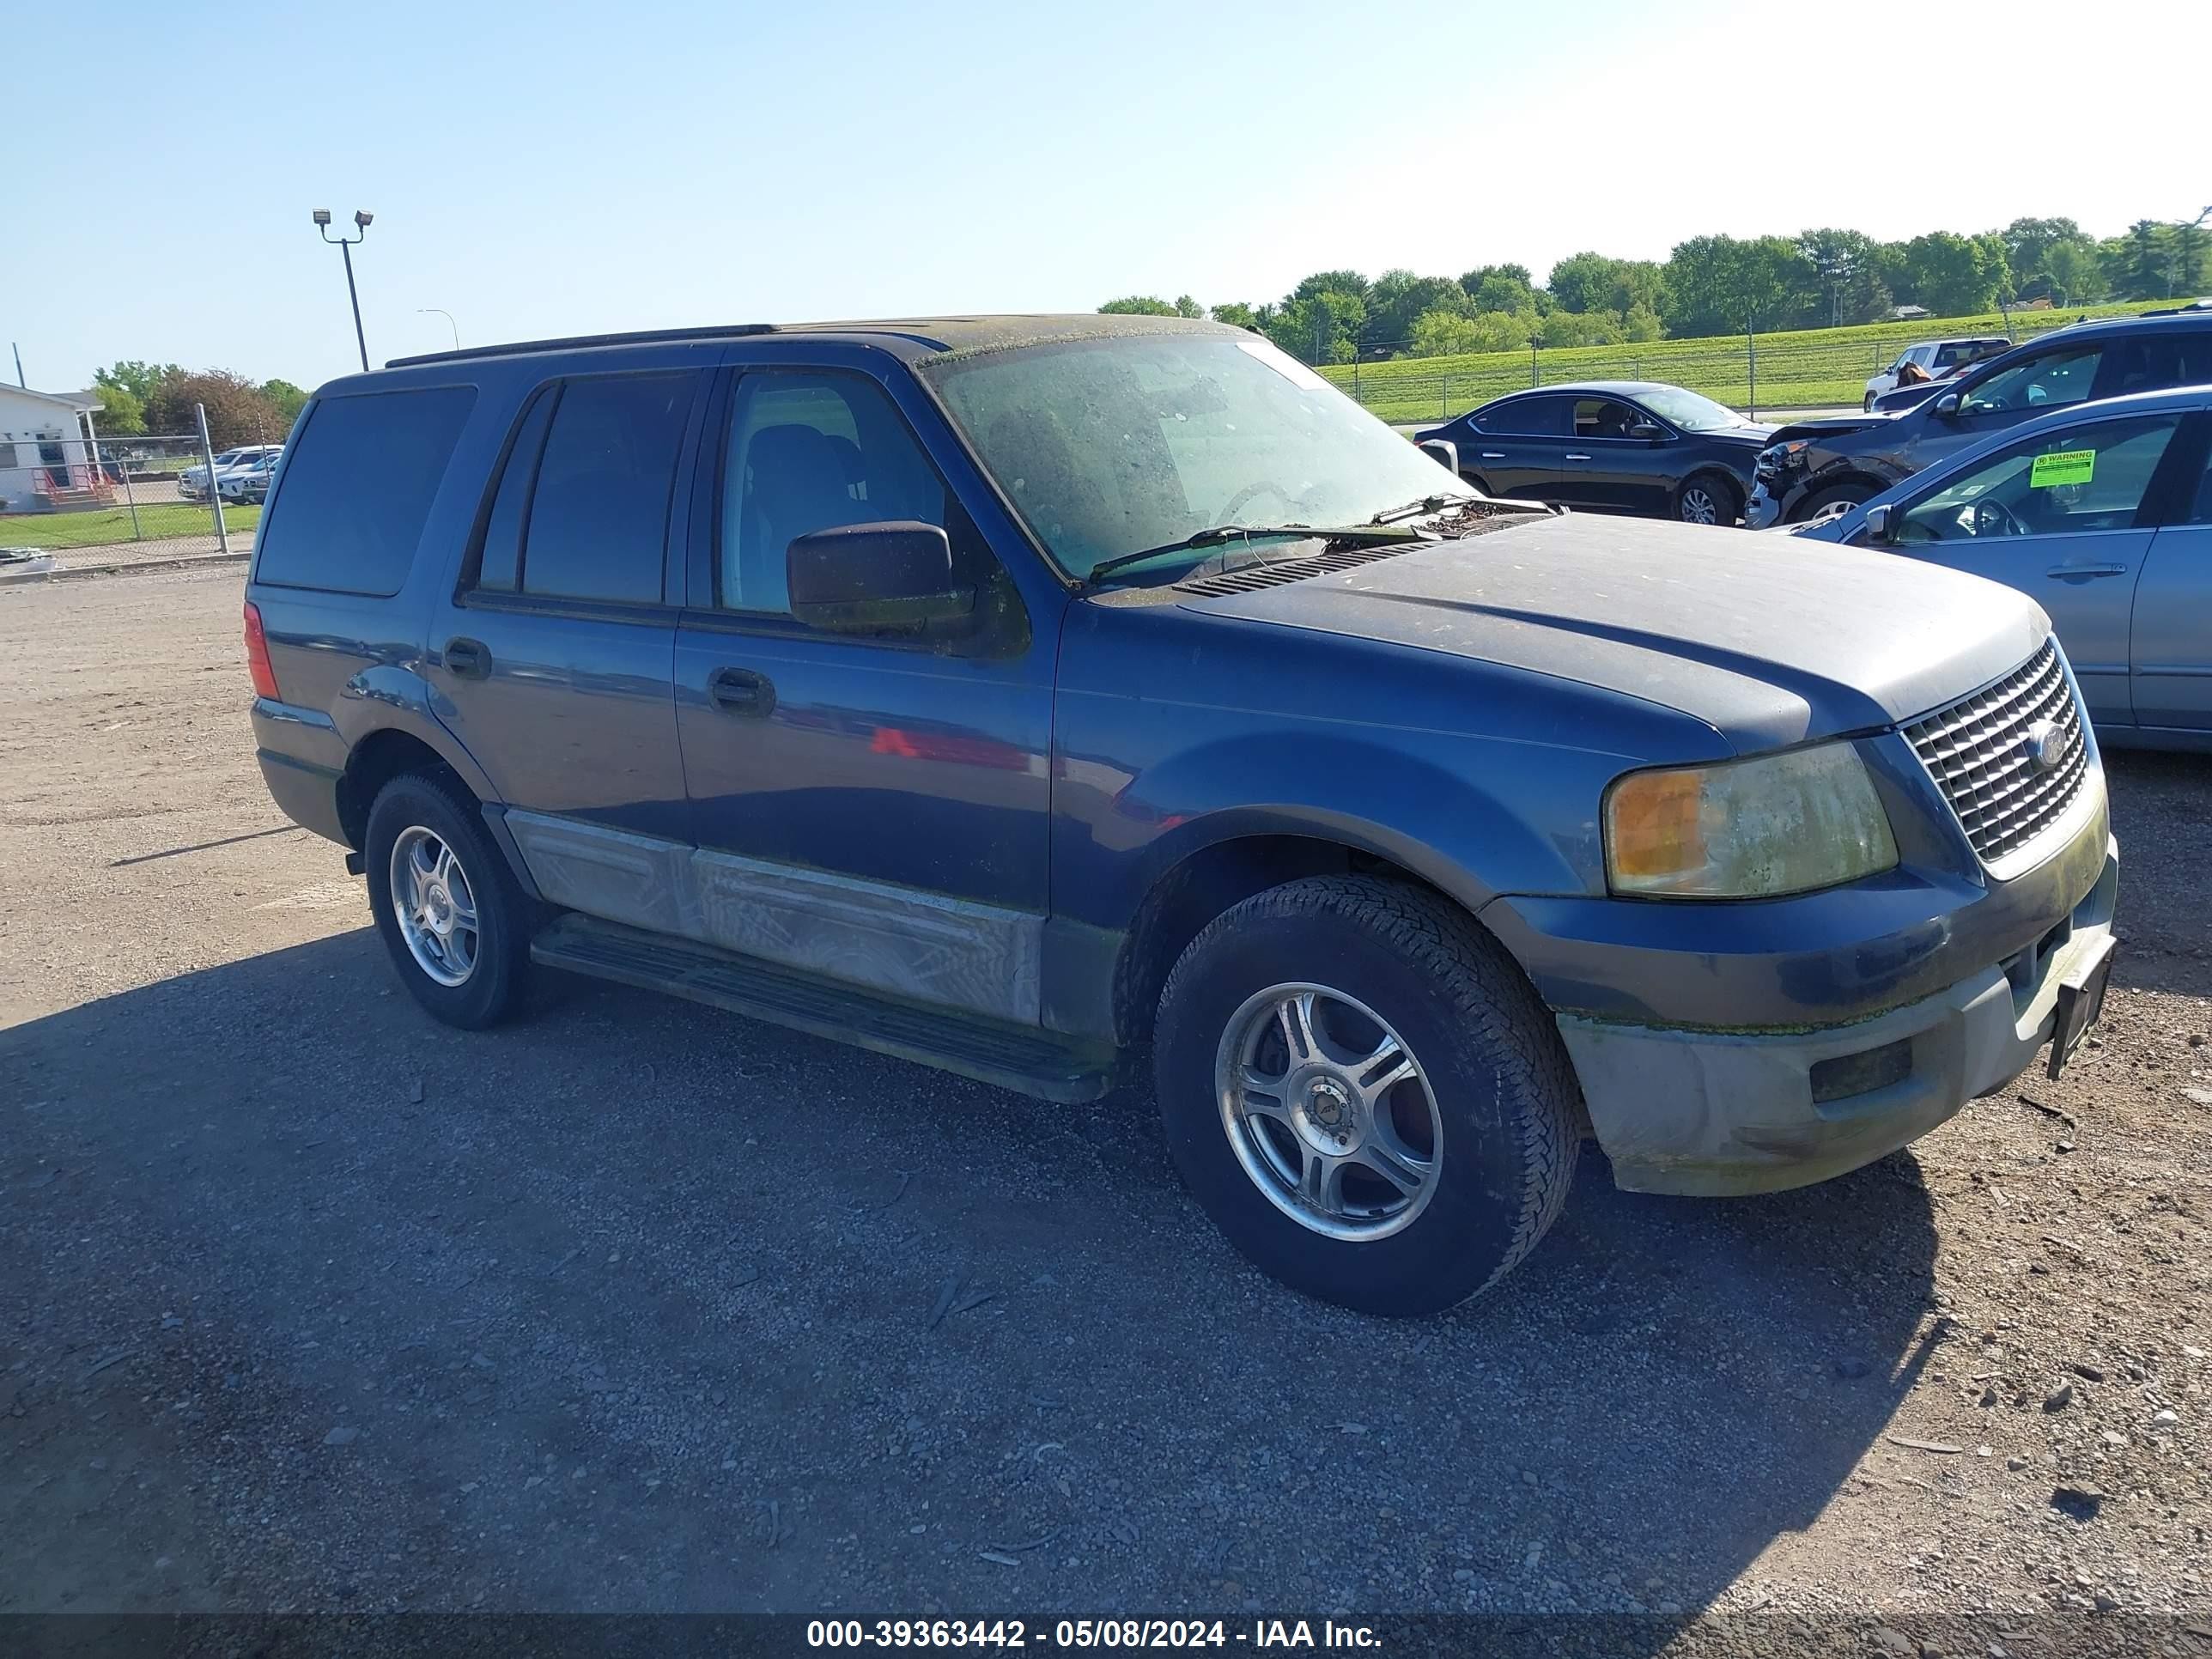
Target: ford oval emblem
2046,745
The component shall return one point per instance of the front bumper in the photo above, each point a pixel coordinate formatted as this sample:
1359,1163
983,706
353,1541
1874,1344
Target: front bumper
1762,511
1711,1114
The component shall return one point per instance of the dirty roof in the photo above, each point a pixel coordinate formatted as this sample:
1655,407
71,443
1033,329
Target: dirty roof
913,337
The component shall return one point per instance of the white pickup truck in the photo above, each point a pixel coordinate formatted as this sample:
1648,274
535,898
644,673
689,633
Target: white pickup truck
1936,359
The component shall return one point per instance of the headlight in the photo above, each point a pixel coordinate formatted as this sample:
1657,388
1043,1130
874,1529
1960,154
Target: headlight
1751,828
1775,457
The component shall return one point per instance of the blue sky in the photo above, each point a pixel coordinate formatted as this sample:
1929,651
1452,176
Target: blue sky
552,169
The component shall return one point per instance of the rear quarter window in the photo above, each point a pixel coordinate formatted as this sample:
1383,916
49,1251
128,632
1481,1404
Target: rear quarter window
356,490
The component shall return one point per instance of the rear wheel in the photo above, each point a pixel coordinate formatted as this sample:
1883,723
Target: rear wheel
1707,498
449,910
1365,1094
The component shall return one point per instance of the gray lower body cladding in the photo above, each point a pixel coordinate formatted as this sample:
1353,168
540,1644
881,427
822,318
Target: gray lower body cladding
925,947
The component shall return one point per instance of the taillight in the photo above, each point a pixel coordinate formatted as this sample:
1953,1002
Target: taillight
256,654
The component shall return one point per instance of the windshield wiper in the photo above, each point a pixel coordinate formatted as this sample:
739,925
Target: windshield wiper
1220,533
1414,509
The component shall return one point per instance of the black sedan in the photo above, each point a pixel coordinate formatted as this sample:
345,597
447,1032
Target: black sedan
1611,447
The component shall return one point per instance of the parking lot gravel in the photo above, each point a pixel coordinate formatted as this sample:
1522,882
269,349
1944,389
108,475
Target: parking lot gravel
306,1302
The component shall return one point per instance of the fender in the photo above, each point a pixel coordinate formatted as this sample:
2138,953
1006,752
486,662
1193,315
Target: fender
1415,810
385,696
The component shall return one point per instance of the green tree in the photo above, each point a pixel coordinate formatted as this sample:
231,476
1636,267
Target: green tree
1186,306
1237,314
287,398
1640,322
2185,257
1500,288
1951,275
1331,282
238,410
121,414
1578,328
1597,281
2005,287
1581,282
1442,333
1399,298
136,378
2147,269
1319,328
1722,284
1138,305
2071,274
1836,257
2027,244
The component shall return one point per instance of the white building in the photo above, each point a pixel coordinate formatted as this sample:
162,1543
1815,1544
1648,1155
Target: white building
46,460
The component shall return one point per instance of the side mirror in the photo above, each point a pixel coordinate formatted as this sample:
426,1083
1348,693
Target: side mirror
1947,404
875,578
1877,522
1444,453
1647,431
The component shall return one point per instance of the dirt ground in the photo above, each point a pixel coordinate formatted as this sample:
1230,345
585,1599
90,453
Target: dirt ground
306,1302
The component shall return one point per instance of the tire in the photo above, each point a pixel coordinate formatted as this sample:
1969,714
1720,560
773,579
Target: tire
1848,494
1708,498
414,815
1491,1095
1866,404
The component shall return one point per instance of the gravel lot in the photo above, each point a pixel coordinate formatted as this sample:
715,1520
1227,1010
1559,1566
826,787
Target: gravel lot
306,1302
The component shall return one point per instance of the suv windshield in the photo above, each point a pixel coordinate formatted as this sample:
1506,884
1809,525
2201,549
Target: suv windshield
1686,410
1109,446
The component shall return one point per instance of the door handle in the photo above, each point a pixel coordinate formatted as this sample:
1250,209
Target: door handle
1493,454
2082,573
467,658
1578,457
741,691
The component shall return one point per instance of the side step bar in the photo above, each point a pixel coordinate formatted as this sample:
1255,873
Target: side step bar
1028,1060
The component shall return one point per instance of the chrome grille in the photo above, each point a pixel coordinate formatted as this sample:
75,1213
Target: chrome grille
1981,751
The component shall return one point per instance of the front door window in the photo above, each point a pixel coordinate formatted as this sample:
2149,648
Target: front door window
2050,382
2089,477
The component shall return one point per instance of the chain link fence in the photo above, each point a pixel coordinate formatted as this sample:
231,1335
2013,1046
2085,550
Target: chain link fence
1774,374
96,500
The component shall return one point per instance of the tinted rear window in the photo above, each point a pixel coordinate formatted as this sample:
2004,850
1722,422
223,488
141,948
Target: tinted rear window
1527,418
358,487
597,525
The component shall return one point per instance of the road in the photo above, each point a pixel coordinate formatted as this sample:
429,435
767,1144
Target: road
308,1303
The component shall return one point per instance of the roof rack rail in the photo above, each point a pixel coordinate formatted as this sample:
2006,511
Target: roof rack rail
579,342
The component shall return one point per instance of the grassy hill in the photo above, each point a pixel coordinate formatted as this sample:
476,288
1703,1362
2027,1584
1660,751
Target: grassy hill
1808,368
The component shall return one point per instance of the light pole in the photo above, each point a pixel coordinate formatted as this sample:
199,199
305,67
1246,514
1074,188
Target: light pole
439,311
345,245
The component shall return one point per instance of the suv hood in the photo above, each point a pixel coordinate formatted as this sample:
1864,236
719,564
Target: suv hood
1829,426
1770,641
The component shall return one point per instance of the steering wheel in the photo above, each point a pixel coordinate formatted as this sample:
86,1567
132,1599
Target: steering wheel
1252,492
1991,517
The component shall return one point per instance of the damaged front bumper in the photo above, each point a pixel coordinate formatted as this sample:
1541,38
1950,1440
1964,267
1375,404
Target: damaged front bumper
1712,1109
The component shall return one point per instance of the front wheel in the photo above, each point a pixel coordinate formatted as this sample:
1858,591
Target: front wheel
1843,498
1365,1094
1706,499
449,910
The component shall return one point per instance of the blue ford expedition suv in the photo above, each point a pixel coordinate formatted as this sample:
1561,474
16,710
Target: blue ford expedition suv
1017,694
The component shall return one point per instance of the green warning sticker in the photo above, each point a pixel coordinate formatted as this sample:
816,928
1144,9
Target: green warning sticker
2065,467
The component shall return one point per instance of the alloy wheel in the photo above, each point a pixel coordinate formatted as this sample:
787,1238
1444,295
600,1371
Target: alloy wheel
435,906
1698,505
1329,1112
